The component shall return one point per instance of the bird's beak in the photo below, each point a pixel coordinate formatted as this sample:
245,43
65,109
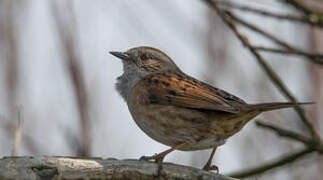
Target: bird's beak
120,55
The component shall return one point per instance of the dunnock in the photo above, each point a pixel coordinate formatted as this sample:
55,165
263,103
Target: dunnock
177,110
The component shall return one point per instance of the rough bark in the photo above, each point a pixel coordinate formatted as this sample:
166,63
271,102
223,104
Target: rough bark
95,168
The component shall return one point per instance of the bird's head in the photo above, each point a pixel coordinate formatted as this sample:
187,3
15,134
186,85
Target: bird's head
145,60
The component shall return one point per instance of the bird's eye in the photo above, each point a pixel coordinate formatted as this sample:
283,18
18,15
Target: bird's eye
143,57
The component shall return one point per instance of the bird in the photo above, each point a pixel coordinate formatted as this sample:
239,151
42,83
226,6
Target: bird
178,110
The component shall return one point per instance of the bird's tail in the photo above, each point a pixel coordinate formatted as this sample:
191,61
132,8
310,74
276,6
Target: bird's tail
273,106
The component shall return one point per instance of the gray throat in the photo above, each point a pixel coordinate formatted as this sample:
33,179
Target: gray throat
126,82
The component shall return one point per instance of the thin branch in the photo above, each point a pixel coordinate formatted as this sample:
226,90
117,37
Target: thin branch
272,37
260,31
300,19
275,78
12,68
300,7
228,18
72,141
27,140
18,132
313,16
286,159
303,8
309,142
285,133
315,58
67,37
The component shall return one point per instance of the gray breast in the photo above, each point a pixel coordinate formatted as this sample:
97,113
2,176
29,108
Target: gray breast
126,82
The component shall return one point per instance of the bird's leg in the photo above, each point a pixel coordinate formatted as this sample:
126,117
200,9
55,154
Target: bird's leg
208,166
160,157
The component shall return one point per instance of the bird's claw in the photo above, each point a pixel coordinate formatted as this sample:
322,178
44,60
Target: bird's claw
145,158
156,157
211,168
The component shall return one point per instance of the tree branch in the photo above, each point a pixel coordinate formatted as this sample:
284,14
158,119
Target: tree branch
285,133
300,19
18,132
95,168
315,58
229,19
302,8
312,58
309,142
74,68
314,16
258,30
271,165
314,144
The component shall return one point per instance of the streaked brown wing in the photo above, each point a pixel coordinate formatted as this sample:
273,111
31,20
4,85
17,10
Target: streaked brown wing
181,90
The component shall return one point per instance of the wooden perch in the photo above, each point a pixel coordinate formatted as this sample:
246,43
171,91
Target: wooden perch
95,168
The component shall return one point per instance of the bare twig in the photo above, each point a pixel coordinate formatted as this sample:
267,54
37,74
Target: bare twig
73,142
315,58
276,79
273,38
301,19
260,31
12,70
27,141
313,16
67,35
12,59
229,19
271,165
309,142
302,8
284,132
18,132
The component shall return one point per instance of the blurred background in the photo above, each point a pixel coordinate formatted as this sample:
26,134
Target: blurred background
57,77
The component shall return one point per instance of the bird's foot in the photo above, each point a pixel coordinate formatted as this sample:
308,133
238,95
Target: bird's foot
148,158
209,167
158,159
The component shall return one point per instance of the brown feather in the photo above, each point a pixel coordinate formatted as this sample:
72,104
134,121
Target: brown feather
173,88
274,105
